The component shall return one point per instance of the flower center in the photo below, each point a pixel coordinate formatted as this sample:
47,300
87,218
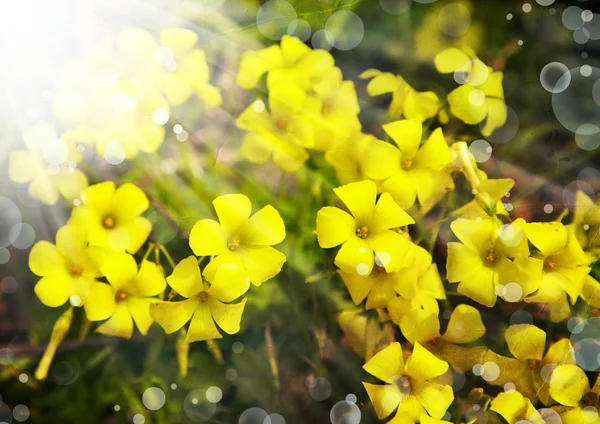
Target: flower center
76,270
120,296
362,232
407,164
203,297
533,363
233,244
548,264
281,124
589,399
403,383
108,223
326,109
491,257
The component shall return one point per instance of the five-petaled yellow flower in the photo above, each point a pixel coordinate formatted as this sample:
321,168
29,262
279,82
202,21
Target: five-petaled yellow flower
127,298
112,216
205,304
69,268
240,239
367,235
412,387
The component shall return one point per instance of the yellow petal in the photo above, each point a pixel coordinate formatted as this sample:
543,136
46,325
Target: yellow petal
407,135
423,365
449,60
23,166
119,269
434,153
510,405
381,83
54,290
382,160
590,292
227,315
171,316
256,148
264,228
525,341
233,210
496,116
130,236
355,256
435,398
417,324
186,279
391,249
150,280
45,259
139,309
262,263
334,226
129,201
385,399
254,64
42,189
100,303
120,323
421,106
359,286
178,39
208,238
401,187
388,215
202,326
230,282
99,197
465,325
387,363
480,285
359,198
70,183
479,235
549,237
568,384
468,104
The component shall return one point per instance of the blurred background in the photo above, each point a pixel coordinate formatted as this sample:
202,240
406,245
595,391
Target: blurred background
292,361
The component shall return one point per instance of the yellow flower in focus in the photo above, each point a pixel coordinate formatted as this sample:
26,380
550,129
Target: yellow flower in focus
406,101
290,54
564,266
481,97
127,298
481,263
410,171
570,386
240,239
367,235
48,165
68,269
112,216
532,369
205,305
412,387
347,157
338,117
283,132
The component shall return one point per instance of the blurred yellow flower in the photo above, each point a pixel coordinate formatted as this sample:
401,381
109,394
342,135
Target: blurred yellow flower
406,101
240,239
366,236
68,269
411,388
347,157
112,218
586,224
127,297
480,96
48,165
495,188
290,54
514,407
204,304
408,170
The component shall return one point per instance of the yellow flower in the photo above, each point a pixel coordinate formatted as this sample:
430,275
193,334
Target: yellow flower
291,54
48,165
586,224
570,386
513,407
69,268
240,239
127,298
411,388
481,96
480,264
367,234
406,101
531,370
347,157
112,216
409,171
338,117
565,266
204,304
282,132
